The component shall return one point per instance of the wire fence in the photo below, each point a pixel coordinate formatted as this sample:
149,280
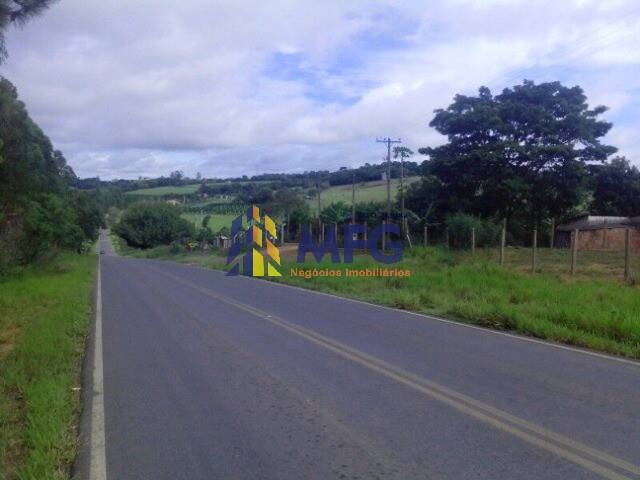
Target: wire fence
565,253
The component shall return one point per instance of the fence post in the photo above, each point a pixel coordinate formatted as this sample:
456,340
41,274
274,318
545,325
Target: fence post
384,236
473,240
365,236
426,237
534,259
574,251
627,254
446,237
553,233
503,240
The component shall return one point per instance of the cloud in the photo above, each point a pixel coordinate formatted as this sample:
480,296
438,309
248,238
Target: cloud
142,87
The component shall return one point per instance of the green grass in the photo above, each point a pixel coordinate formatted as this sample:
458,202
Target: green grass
168,190
591,265
212,201
215,223
44,319
365,192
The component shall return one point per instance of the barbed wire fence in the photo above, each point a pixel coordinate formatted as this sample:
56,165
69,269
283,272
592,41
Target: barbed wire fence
548,250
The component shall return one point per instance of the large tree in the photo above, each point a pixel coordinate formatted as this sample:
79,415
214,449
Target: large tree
616,188
18,12
523,153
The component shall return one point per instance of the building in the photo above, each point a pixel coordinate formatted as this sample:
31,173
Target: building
222,241
599,233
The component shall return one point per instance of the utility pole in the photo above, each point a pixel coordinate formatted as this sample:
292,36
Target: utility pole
388,141
319,208
353,198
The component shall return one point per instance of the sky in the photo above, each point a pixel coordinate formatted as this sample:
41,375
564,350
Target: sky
129,88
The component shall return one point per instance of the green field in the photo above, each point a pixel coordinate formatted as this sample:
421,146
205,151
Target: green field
365,192
44,319
215,223
168,190
212,201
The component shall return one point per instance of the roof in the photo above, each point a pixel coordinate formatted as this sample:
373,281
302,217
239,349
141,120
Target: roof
592,222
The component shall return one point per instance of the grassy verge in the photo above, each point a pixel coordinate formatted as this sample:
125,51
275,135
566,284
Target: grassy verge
592,310
44,318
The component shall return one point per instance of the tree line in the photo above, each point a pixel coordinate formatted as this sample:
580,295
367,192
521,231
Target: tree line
39,210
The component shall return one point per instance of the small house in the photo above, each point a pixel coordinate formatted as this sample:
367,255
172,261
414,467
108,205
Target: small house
599,233
223,242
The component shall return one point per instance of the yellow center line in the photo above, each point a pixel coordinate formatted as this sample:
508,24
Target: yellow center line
523,429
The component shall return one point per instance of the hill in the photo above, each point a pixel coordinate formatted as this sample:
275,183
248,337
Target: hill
375,191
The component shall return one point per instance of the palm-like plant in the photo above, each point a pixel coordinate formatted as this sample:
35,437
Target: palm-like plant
18,12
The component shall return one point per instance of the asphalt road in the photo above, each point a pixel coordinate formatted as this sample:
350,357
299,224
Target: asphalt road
215,377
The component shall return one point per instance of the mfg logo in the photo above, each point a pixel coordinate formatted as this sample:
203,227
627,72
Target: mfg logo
354,235
261,258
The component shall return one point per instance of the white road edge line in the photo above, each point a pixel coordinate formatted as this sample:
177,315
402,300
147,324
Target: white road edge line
450,322
98,466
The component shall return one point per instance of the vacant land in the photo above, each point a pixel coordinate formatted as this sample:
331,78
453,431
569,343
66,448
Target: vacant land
594,310
591,265
365,192
216,222
168,190
44,319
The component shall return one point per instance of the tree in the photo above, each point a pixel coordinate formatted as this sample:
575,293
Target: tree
18,12
176,177
148,225
39,213
337,212
616,188
523,153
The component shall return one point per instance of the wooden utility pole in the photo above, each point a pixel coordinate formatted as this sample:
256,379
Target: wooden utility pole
534,257
319,207
282,234
388,142
553,233
574,251
627,254
404,220
503,241
353,198
473,240
446,237
426,236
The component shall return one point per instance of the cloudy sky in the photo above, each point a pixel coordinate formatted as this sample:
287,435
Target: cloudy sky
129,88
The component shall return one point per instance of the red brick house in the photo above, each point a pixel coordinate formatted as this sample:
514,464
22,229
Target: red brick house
600,233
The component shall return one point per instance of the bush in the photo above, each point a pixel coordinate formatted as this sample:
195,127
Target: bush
460,225
149,225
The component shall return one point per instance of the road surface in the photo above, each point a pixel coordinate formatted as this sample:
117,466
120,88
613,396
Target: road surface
215,377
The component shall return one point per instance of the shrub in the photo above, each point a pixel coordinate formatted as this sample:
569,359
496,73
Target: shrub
460,225
149,225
